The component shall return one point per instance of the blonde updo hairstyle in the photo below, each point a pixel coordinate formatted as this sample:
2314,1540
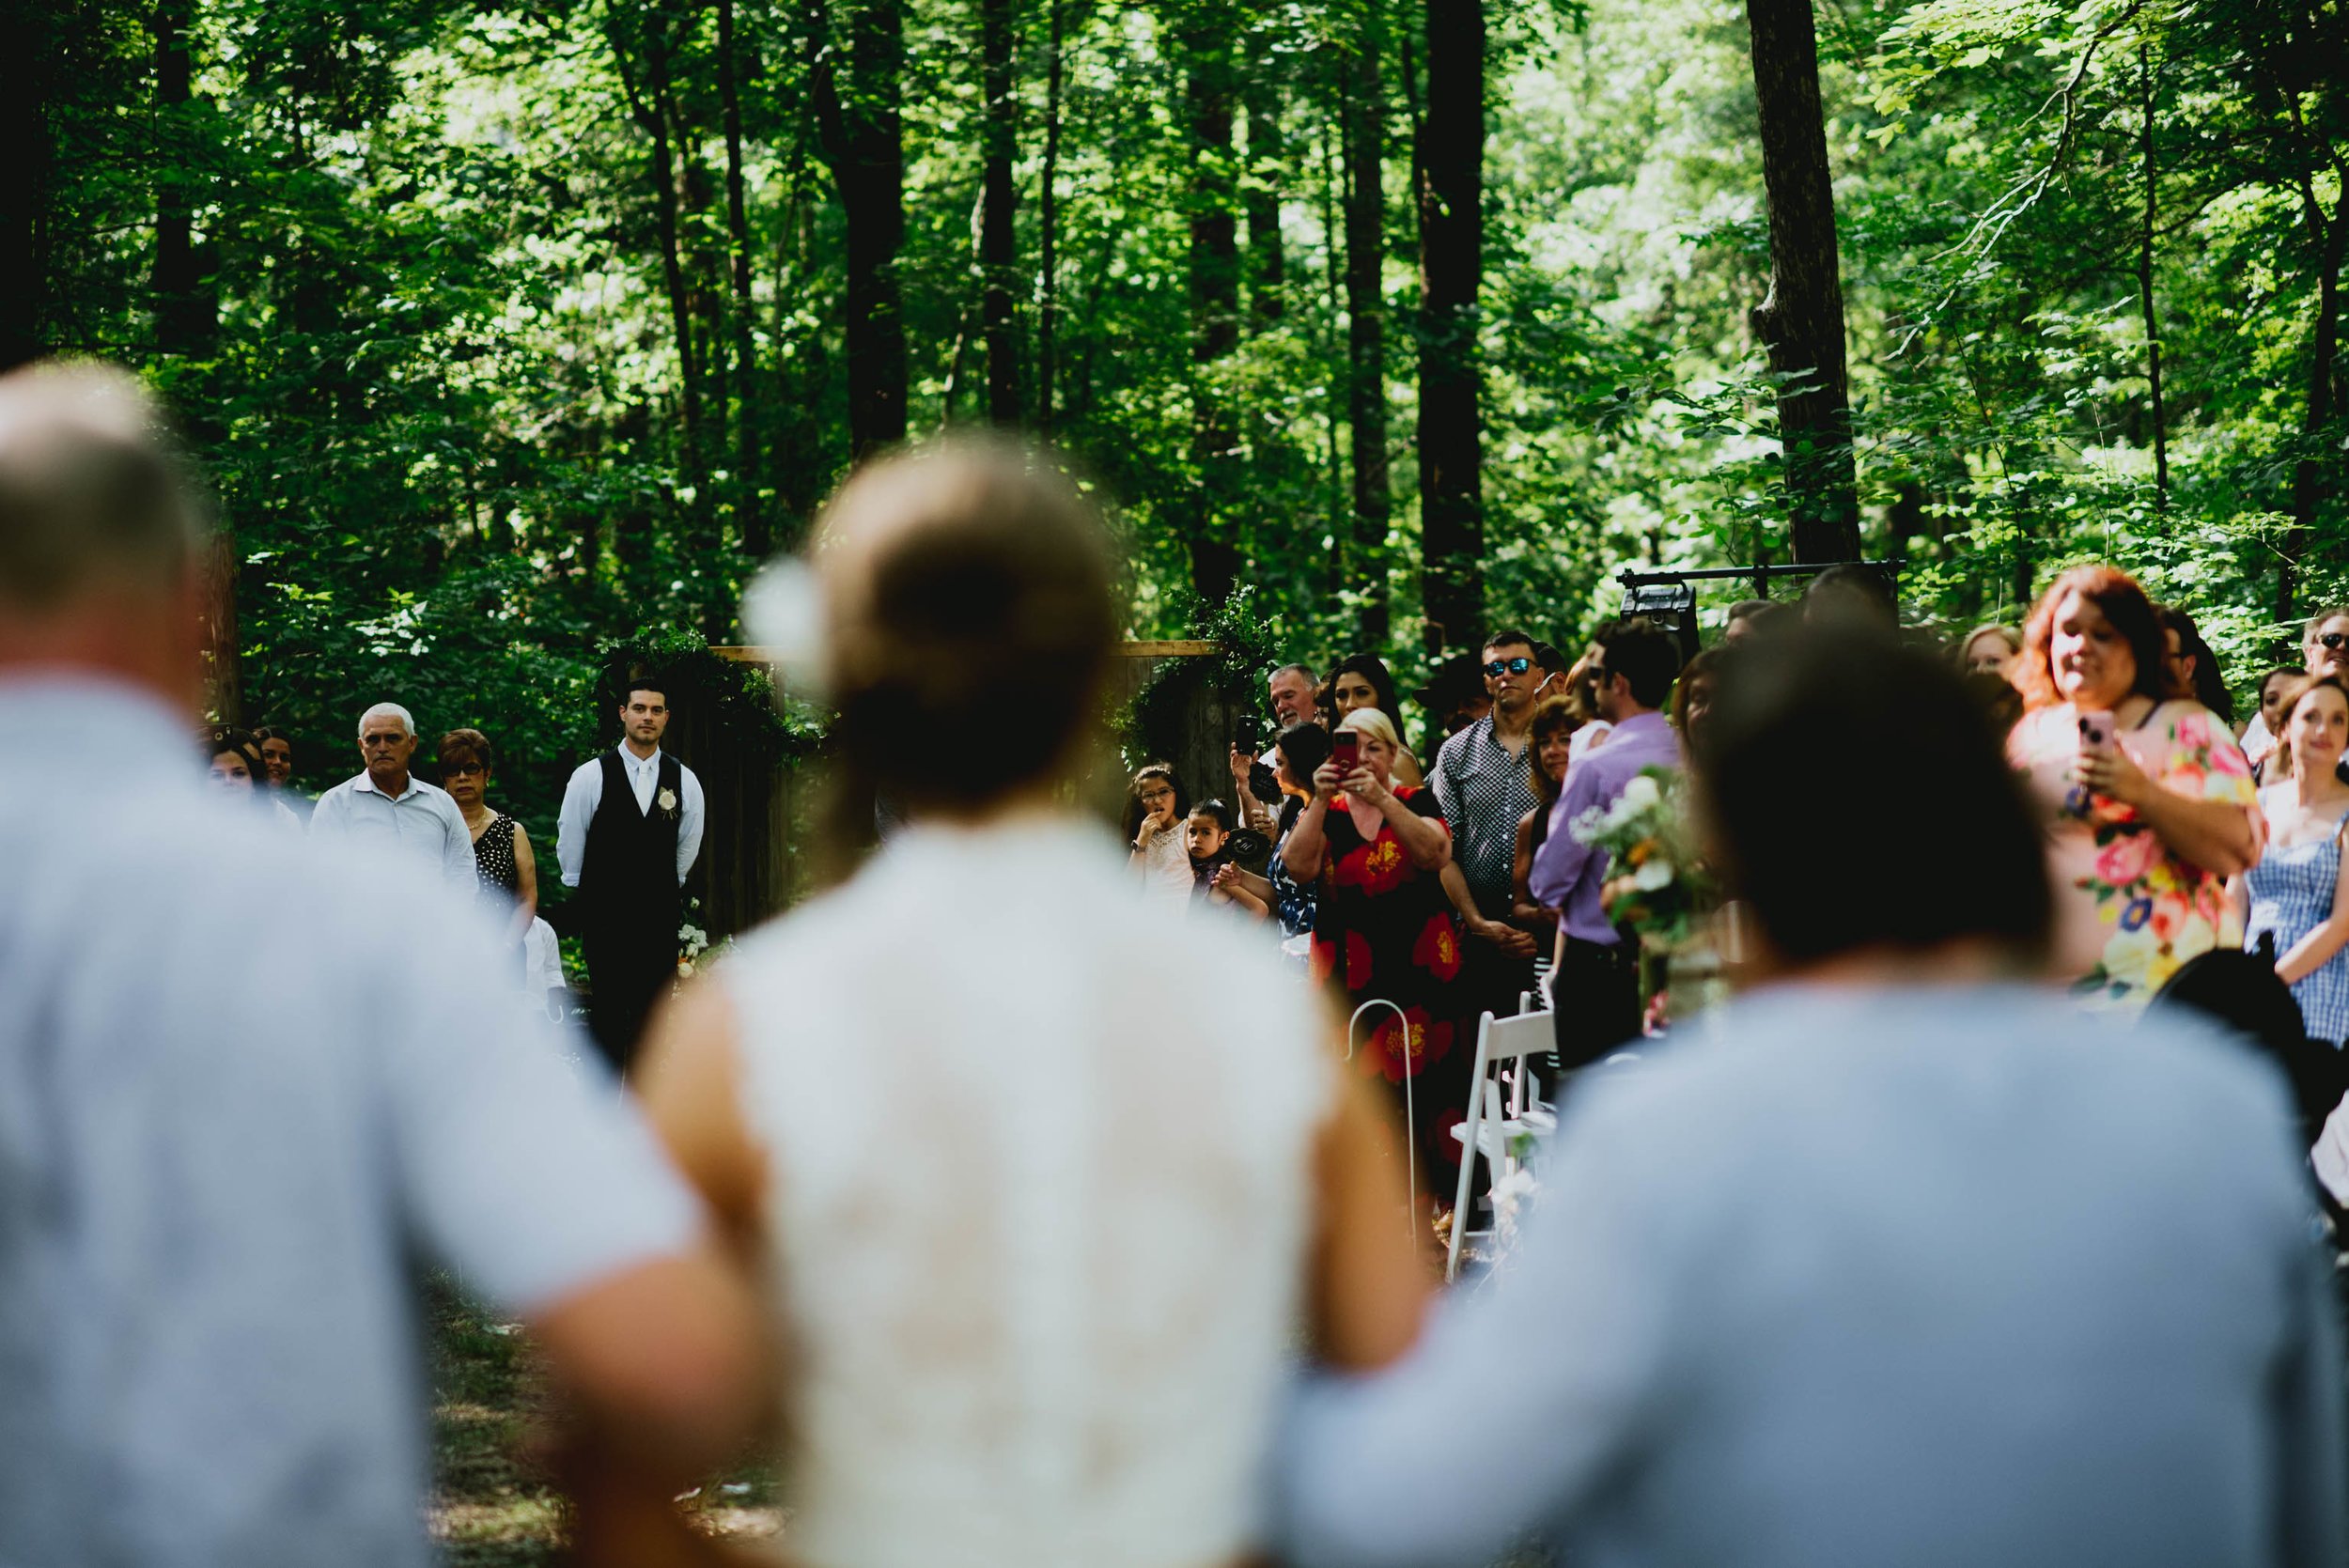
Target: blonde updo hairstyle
969,621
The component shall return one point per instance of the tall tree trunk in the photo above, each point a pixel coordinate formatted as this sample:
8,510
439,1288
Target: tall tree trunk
752,521
862,130
33,54
1450,268
1207,48
1364,115
2145,287
647,103
997,252
1266,158
187,315
1801,321
1048,221
2309,479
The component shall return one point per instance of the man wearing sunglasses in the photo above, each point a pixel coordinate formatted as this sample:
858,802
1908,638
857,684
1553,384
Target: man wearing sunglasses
1484,782
2325,650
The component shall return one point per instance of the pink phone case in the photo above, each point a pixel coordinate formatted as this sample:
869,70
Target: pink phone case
2096,730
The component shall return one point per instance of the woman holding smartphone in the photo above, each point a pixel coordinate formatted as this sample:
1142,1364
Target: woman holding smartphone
1383,927
2150,802
2295,894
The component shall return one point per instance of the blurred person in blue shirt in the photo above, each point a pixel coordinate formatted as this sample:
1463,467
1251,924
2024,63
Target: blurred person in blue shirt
1904,1261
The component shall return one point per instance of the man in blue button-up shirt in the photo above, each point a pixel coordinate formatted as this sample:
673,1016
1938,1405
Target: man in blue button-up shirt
1596,985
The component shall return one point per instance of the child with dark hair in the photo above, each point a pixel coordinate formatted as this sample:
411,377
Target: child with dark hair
1157,806
1214,877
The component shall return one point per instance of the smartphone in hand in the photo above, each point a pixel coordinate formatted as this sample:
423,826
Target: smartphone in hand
2096,730
1346,752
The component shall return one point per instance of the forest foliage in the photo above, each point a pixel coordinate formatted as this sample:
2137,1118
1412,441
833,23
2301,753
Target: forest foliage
507,329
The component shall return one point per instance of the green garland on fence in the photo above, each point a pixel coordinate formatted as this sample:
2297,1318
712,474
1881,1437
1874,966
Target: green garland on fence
1245,654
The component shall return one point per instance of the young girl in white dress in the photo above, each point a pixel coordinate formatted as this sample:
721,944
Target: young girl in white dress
1043,1179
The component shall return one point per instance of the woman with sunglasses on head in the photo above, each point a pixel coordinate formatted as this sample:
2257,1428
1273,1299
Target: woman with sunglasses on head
1362,680
2294,894
2150,803
507,866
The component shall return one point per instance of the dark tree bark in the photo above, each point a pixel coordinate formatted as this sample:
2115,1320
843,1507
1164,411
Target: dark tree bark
187,313
1450,195
2145,287
862,133
1206,49
997,252
751,517
32,53
1362,114
1266,158
2309,485
1801,321
1048,221
647,102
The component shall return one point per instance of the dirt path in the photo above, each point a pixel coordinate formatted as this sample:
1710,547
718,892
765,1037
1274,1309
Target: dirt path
491,1508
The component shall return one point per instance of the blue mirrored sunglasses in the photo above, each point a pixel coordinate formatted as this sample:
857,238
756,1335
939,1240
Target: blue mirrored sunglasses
1517,666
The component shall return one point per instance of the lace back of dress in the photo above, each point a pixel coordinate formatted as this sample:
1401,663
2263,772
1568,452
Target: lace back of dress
1040,1192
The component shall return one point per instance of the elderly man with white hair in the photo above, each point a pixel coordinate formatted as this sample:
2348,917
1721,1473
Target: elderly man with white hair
385,804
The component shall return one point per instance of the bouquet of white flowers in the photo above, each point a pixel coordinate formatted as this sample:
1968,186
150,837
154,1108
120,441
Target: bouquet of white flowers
1658,884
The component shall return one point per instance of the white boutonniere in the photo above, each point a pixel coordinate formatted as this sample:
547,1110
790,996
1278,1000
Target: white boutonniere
666,800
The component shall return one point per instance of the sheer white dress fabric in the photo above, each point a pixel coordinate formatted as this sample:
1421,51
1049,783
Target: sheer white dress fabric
1041,1180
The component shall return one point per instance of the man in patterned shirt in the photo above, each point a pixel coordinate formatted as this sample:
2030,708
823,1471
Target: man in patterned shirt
1483,781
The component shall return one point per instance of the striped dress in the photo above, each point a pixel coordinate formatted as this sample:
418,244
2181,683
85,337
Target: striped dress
2291,895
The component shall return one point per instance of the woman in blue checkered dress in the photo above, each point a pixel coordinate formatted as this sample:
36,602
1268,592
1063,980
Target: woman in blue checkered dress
2295,894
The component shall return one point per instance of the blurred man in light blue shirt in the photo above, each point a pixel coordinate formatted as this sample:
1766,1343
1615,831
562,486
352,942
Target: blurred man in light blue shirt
246,1082
1900,1259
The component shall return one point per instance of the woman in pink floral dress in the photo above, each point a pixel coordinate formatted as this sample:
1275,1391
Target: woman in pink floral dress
2151,806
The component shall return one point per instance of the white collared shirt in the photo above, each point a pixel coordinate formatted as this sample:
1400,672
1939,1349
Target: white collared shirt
585,794
421,821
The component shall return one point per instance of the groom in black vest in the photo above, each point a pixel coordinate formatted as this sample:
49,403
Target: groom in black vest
630,828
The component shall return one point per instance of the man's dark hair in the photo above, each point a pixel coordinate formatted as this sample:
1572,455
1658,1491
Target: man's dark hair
1644,655
1823,852
642,680
1852,584
1509,636
1745,608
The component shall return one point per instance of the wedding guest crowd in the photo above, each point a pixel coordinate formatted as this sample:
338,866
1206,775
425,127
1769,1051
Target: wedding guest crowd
1038,1163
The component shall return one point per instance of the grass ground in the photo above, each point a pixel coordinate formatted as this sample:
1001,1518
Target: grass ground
492,1507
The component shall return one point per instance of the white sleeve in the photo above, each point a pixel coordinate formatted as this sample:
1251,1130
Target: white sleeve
458,860
326,816
689,833
580,797
533,1176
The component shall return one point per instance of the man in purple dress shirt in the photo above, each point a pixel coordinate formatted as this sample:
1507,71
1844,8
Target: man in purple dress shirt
1596,985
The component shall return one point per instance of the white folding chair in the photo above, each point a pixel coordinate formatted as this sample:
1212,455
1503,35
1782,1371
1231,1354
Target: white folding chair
1488,1125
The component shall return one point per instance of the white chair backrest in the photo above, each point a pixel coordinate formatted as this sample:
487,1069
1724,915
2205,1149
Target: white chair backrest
1498,1041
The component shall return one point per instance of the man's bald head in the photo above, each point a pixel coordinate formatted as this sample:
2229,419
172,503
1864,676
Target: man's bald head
93,496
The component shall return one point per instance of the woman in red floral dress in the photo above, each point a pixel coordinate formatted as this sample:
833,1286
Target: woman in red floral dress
1384,930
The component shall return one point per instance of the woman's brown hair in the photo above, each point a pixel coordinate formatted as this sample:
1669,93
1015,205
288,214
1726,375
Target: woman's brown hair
971,620
1555,716
2131,613
2299,689
471,745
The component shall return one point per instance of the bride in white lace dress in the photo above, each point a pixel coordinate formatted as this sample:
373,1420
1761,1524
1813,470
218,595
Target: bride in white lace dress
1047,1185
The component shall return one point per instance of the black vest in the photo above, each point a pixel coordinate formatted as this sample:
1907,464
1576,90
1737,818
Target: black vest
628,879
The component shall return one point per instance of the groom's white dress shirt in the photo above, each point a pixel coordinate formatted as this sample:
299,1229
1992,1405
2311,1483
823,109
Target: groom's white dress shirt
583,795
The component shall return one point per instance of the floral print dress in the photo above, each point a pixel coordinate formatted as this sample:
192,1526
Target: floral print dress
2129,911
1383,929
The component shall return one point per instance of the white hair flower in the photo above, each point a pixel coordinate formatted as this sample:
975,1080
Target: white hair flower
784,612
